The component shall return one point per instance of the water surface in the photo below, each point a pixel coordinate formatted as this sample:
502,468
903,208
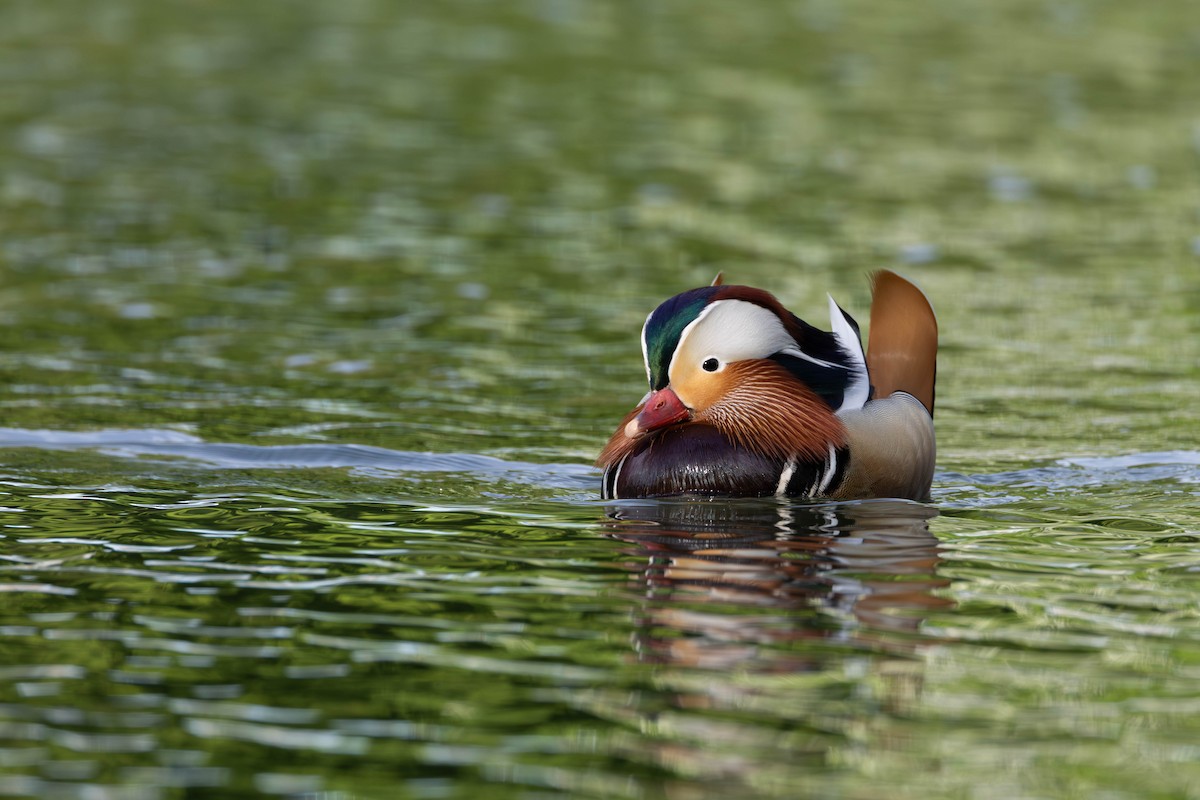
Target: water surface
314,317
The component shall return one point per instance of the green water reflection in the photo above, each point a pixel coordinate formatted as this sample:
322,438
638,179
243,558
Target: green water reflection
315,314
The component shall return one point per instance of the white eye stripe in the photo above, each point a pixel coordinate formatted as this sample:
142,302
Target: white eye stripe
798,353
730,331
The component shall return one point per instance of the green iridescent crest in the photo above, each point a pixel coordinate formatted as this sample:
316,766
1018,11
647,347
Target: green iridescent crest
664,327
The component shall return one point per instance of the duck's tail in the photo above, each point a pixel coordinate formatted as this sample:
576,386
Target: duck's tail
902,351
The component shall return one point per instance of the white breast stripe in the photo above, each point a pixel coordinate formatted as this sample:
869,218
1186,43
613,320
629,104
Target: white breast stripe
785,477
616,477
830,469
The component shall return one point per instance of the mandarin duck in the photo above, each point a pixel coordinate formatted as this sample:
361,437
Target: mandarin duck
748,400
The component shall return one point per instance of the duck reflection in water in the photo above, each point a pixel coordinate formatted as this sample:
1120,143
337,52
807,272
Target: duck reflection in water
743,583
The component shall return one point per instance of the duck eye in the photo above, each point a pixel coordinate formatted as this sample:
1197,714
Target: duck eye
710,365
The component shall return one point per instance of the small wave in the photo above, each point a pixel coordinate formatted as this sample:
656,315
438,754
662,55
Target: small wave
368,460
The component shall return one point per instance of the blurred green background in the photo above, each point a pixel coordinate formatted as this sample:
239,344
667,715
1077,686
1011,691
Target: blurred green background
457,214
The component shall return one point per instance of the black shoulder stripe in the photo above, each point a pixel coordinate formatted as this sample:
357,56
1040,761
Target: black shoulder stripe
803,478
819,478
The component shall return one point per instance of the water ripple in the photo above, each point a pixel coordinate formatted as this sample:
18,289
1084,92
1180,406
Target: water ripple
139,443
748,638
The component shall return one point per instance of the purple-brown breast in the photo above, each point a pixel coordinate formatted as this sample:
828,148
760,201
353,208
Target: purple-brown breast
691,459
698,459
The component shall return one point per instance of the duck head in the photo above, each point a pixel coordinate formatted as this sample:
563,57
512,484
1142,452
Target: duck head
733,359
